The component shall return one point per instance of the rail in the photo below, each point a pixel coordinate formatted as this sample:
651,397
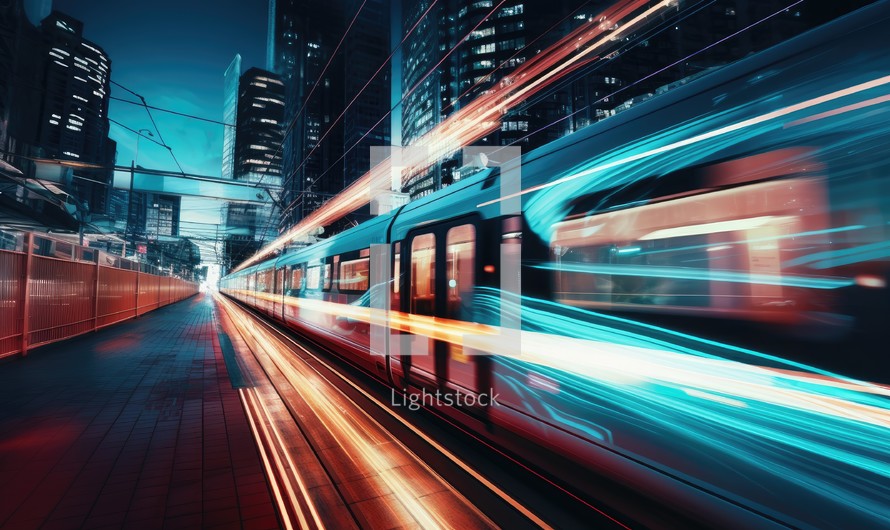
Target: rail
52,290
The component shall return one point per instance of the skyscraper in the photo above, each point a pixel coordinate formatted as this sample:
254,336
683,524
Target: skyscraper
257,159
73,122
462,48
332,116
230,113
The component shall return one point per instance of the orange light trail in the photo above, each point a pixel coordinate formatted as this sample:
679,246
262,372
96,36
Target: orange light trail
481,116
621,364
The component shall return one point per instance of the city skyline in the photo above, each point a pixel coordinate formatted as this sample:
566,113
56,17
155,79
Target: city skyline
175,62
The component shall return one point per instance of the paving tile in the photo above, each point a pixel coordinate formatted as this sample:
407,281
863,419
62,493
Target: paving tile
136,425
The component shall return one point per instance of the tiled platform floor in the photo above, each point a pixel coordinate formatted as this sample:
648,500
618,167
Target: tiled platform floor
136,426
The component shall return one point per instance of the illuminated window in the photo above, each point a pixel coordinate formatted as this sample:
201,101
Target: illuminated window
511,11
478,34
313,277
423,274
354,274
296,278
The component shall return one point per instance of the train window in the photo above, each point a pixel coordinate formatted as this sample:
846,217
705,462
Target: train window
296,280
354,274
279,281
264,281
327,276
689,253
460,250
313,277
396,272
423,274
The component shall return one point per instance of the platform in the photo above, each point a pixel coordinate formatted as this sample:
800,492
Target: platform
135,426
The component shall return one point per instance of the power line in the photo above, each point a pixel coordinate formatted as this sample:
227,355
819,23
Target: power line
660,70
154,124
404,96
183,114
134,131
324,70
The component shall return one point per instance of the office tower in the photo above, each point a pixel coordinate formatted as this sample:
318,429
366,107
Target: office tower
230,113
73,119
332,118
462,48
257,159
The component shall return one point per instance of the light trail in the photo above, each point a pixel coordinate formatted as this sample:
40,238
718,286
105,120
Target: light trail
763,118
607,377
611,360
365,441
482,115
282,446
270,470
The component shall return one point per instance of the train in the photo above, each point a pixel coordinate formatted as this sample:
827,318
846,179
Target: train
758,194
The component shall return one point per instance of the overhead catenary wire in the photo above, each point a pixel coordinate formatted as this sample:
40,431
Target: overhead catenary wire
154,124
675,63
169,111
427,74
404,96
376,73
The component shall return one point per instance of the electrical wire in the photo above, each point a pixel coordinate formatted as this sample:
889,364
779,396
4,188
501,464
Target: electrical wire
169,111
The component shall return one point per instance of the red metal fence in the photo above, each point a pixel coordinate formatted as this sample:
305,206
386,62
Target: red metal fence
52,290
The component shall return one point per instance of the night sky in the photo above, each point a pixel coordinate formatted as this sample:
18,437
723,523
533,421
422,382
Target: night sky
174,53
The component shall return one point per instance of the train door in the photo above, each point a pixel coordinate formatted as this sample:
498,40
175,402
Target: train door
459,286
280,289
441,270
421,365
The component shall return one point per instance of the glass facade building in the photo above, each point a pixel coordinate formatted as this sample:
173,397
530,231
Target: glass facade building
335,97
257,158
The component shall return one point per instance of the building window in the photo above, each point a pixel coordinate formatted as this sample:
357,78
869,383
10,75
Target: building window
479,33
485,48
511,11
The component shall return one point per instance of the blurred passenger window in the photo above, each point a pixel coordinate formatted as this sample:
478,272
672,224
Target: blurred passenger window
313,277
423,274
354,274
296,280
460,250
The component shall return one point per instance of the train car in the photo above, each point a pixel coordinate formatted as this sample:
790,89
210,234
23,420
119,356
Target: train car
757,193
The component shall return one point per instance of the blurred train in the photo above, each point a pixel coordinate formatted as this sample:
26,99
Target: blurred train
757,193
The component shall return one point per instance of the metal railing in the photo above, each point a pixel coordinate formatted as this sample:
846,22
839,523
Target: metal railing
51,290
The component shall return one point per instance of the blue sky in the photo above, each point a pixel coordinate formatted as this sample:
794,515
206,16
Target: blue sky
174,54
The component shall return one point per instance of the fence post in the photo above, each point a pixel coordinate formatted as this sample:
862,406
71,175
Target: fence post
136,310
26,297
96,300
